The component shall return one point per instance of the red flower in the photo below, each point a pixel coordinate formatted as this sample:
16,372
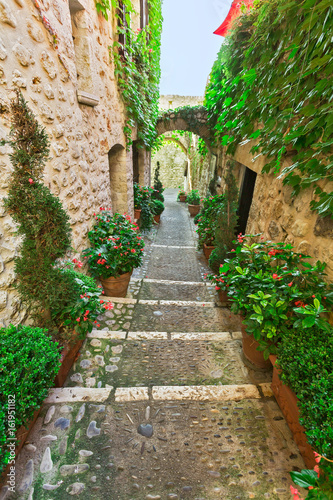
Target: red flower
133,250
233,250
78,320
290,284
31,181
276,277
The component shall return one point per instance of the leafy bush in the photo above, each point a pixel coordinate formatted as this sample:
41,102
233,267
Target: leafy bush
207,219
193,197
143,200
181,192
82,312
158,207
116,246
226,222
4,454
29,362
158,186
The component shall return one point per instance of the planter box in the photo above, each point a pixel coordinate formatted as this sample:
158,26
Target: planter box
68,356
207,250
193,209
252,357
287,401
137,213
157,218
182,198
223,296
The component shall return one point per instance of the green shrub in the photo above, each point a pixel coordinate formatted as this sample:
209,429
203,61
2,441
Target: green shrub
193,197
116,249
143,200
158,186
306,359
226,222
4,454
29,362
207,219
158,207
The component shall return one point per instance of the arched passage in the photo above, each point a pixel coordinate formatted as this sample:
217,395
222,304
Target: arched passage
188,118
118,178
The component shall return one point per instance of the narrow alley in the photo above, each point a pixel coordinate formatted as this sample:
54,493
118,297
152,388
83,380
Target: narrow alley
159,404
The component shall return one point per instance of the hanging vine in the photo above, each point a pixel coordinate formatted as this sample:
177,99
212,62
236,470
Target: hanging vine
272,83
137,68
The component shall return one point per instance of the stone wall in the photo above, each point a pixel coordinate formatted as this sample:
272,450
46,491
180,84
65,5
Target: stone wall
173,162
176,101
57,53
278,215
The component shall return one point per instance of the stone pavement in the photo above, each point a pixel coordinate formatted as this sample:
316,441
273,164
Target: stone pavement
159,404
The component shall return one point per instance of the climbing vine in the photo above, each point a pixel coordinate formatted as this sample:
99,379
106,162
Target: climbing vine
137,68
272,83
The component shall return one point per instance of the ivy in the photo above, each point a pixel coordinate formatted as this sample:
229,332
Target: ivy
272,83
137,68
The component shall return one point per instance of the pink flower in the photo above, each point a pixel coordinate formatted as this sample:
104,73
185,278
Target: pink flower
31,181
150,50
233,250
108,306
79,264
78,320
133,250
316,469
290,284
317,457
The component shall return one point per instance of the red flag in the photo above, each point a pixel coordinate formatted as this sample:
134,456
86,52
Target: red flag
234,12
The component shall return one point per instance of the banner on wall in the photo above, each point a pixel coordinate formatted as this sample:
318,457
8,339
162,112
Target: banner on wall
234,12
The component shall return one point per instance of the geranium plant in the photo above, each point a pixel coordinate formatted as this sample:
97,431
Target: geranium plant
193,197
117,246
206,220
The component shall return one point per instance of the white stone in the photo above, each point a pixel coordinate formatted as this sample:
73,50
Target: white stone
77,394
206,392
147,335
49,415
106,334
218,336
46,463
6,15
96,343
124,394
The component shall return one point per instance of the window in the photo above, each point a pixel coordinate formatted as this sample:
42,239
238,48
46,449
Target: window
144,13
122,23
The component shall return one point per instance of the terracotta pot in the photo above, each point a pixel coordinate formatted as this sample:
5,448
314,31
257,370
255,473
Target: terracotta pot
223,296
287,401
68,356
116,287
157,218
137,213
193,209
254,357
207,250
182,198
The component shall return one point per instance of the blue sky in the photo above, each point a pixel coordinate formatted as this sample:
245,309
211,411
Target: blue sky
189,47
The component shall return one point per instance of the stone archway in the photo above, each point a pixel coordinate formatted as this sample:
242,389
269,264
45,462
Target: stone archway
118,178
189,118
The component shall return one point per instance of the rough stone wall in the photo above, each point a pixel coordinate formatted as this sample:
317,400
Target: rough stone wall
57,54
172,165
281,217
176,101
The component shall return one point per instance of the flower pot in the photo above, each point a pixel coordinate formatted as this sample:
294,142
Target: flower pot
207,250
68,356
182,198
157,218
116,287
252,357
137,213
287,401
223,296
193,209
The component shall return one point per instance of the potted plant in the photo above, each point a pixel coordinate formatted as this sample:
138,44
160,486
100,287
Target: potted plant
143,201
137,200
206,221
225,221
193,199
265,281
158,208
181,196
303,386
157,194
29,361
116,250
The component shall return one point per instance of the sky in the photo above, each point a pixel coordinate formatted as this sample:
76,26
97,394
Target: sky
189,47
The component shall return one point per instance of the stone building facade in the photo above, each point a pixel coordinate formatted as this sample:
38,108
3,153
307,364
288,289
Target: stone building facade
59,54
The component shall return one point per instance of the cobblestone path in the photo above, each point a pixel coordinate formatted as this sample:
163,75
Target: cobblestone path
159,404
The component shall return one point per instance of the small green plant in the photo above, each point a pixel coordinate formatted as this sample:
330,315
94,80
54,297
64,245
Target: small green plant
226,221
193,197
117,248
207,218
158,186
143,201
29,362
158,207
181,192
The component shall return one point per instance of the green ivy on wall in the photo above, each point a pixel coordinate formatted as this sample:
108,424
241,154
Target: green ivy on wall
137,69
273,83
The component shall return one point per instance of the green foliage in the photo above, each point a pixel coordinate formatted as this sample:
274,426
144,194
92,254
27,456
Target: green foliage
103,7
116,247
138,72
158,186
207,219
4,454
265,281
318,482
226,222
306,359
82,312
193,197
272,82
158,206
29,361
143,200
